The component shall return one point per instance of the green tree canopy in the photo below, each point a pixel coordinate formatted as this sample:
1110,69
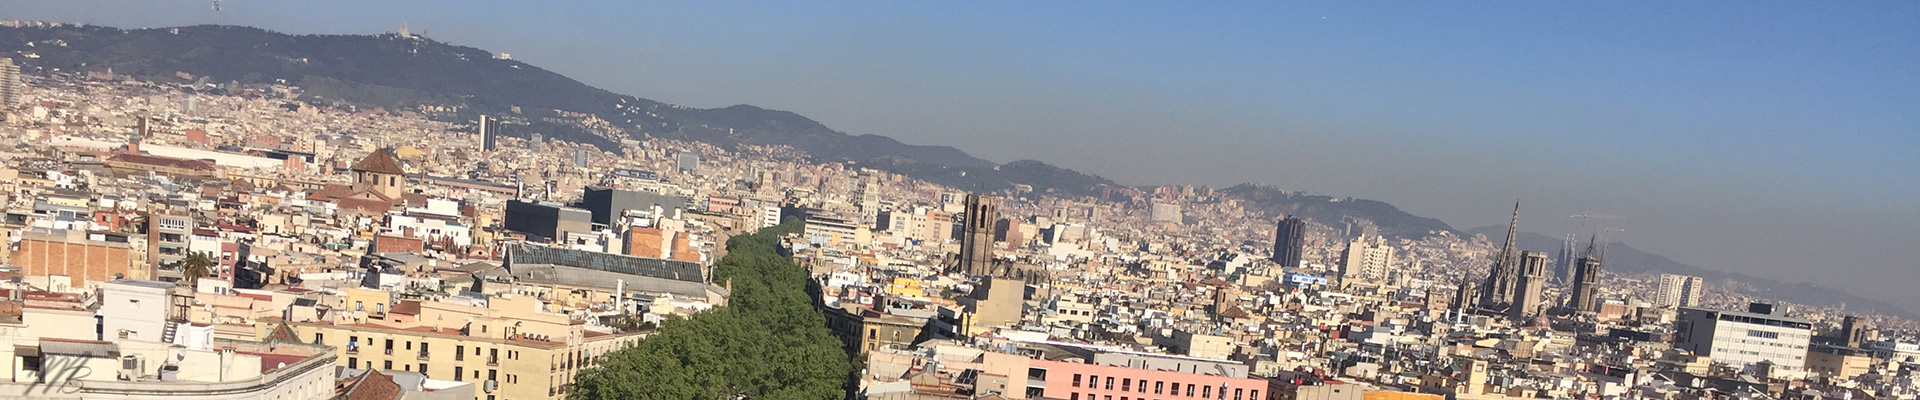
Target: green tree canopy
768,342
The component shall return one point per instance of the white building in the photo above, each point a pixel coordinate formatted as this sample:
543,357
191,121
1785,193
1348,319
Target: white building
1678,291
134,310
1745,339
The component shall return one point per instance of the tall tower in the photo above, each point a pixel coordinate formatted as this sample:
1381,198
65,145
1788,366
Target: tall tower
1288,240
1531,281
1586,280
976,234
489,129
1568,267
1498,293
10,89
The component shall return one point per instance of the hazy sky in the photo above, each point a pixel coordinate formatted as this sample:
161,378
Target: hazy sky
1780,139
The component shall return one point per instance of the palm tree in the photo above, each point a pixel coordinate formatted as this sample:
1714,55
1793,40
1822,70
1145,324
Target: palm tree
197,265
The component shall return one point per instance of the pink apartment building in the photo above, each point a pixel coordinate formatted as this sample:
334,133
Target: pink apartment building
1078,381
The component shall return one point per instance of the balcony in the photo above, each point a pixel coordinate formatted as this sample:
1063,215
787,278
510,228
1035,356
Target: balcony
493,361
423,356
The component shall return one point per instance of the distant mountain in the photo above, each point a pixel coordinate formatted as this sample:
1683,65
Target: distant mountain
1626,259
1329,210
401,72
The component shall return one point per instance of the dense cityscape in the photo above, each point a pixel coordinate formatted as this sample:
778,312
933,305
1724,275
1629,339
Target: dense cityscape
197,239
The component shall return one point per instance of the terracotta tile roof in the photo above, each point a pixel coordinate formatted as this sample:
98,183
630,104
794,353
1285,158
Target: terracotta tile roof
373,385
330,192
380,161
406,307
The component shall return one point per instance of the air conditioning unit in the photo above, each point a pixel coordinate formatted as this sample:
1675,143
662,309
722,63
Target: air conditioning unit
129,368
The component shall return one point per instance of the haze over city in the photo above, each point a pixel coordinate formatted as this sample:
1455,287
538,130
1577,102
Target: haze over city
1772,138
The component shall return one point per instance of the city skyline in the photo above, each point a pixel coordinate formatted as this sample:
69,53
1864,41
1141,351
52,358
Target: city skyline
1696,183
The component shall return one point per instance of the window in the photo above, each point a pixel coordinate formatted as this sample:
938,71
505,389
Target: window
458,373
1763,334
1126,384
423,370
1036,374
1157,386
353,362
1236,393
1109,383
459,352
1206,391
409,345
1094,382
387,365
423,349
389,346
359,305
1189,390
1253,394
1073,396
1076,383
319,338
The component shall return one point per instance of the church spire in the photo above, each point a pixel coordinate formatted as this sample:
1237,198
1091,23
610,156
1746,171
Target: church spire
1594,250
1508,253
1498,292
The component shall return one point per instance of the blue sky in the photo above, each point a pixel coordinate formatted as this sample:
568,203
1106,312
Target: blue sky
1780,139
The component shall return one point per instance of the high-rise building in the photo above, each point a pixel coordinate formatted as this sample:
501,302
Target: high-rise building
1678,291
1366,259
976,234
489,128
1745,340
1288,241
688,161
1502,279
10,89
1528,284
866,191
1166,212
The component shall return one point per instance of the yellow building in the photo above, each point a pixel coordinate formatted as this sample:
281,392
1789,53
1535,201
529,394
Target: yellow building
505,347
906,287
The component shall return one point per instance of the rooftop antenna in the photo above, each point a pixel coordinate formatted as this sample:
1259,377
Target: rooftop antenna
219,15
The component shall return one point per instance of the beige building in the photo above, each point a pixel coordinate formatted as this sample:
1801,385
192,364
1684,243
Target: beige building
503,345
1367,259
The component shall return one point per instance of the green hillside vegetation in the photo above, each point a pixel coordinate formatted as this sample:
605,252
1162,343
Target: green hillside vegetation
768,342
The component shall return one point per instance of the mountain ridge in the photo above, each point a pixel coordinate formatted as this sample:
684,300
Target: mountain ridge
402,71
